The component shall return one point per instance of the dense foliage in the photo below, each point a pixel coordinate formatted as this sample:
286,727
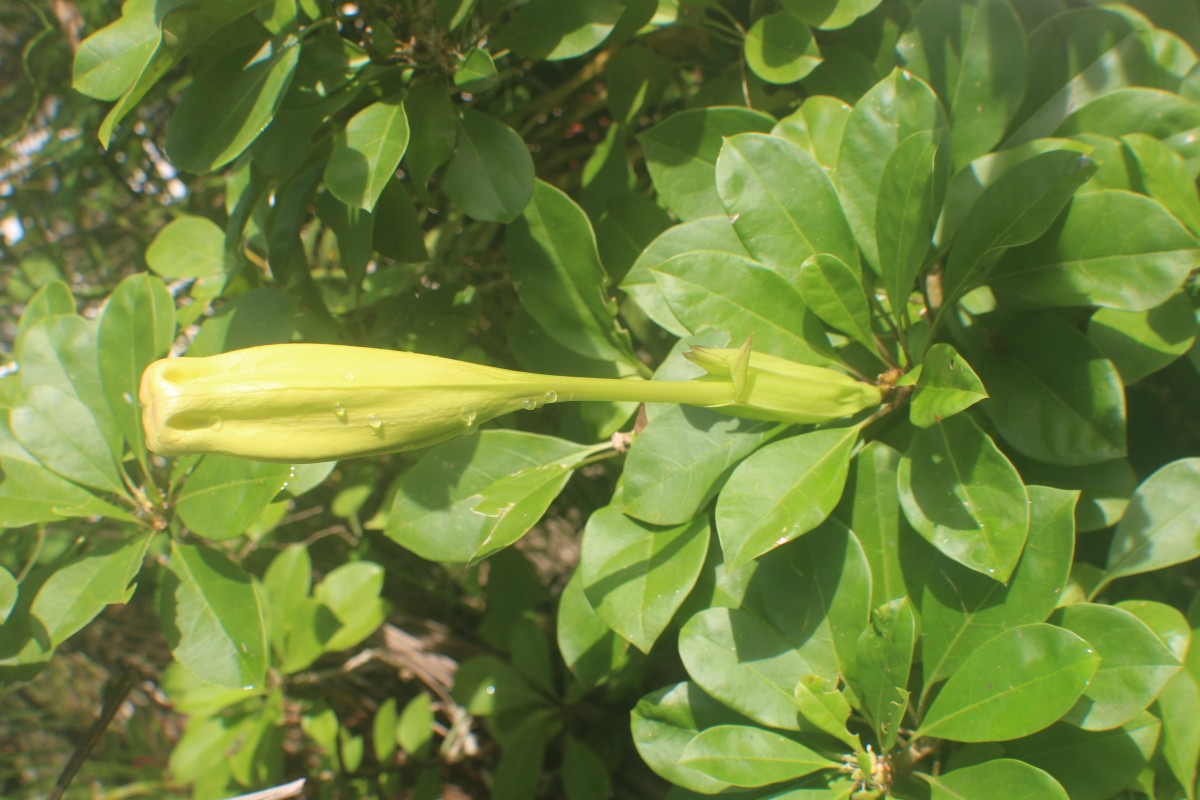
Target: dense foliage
983,588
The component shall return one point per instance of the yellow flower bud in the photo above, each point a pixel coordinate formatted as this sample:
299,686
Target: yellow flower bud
772,388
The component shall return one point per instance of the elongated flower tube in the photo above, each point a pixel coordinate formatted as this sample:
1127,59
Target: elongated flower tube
313,402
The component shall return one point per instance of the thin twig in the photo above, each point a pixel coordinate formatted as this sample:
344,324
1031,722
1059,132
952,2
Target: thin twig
111,704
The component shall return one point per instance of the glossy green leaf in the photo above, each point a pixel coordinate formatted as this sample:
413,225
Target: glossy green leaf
893,110
960,493
663,724
1114,249
783,205
1130,110
830,14
782,491
223,495
109,61
883,659
61,351
1178,707
1164,174
286,585
352,592
961,609
779,48
229,104
705,233
734,294
137,327
947,385
871,508
212,618
61,433
1091,766
1159,528
636,576
8,594
1105,488
490,176
52,298
676,464
1143,342
824,705
1134,665
544,29
558,275
745,662
993,780
742,755
433,132
817,126
516,502
1018,207
681,156
974,56
80,589
190,247
30,494
477,72
834,292
1078,56
1046,410
910,193
367,152
588,645
1168,623
434,512
1012,685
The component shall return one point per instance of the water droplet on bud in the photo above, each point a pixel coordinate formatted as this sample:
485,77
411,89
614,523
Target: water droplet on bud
468,415
216,424
529,404
375,424
349,376
551,397
339,411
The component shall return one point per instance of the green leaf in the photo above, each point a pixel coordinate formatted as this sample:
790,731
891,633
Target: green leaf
212,618
783,205
628,225
53,298
355,231
834,292
80,589
1155,112
782,491
665,722
1159,528
681,156
436,511
705,233
1091,766
974,56
636,576
589,647
1164,174
676,464
1178,707
1077,56
1168,623
910,194
893,110
947,385
1013,685
817,126
486,685
259,316
1016,208
1054,396
352,593
558,276
109,61
780,49
433,123
61,433
1105,488
993,780
286,585
137,327
585,775
742,755
367,152
830,14
8,594
398,234
31,494
414,728
224,495
229,104
707,289
871,508
1140,343
960,493
1134,665
490,176
883,659
477,72
545,29
1114,249
190,247
961,609
60,351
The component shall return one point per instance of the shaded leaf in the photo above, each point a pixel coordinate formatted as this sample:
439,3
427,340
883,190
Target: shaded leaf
780,49
1160,527
741,755
998,778
223,495
947,385
367,152
490,176
834,292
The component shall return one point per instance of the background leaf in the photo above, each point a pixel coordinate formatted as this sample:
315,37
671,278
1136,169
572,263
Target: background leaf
1159,529
366,155
490,176
223,495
